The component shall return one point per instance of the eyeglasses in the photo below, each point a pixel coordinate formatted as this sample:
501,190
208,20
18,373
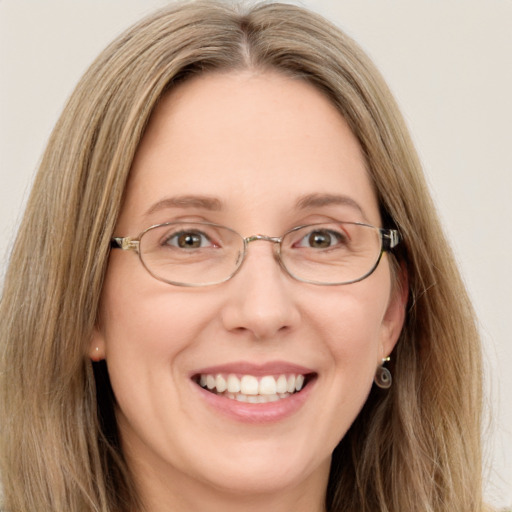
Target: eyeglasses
203,253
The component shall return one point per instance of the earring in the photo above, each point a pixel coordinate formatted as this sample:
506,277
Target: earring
96,356
383,378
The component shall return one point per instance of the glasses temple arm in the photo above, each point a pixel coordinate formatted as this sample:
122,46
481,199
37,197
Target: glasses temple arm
126,243
390,238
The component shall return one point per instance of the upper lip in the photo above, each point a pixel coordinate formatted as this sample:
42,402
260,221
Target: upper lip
248,368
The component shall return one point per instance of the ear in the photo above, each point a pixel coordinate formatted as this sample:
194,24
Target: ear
395,313
97,346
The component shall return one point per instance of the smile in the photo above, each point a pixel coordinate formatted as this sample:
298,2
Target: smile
252,389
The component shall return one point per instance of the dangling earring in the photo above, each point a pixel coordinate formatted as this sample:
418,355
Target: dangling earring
383,377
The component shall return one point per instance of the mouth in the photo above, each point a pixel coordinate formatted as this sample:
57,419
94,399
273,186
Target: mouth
253,389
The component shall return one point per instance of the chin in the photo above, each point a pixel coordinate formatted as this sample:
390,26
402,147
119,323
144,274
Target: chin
261,479
264,468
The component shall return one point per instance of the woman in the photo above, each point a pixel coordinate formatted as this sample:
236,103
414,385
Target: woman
280,247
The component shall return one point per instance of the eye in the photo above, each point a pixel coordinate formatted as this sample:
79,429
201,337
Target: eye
188,240
322,239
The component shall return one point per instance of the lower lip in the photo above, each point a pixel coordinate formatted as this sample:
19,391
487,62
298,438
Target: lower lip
270,412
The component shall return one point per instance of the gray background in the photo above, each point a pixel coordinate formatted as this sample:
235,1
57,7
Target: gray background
449,64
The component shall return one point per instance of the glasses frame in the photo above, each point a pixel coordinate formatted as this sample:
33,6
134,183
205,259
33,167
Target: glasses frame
389,239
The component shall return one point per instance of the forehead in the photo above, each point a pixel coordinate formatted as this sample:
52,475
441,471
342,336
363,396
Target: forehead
251,140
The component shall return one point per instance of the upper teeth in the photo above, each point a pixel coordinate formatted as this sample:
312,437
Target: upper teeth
251,385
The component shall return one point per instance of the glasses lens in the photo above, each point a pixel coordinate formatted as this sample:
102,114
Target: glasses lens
192,253
331,253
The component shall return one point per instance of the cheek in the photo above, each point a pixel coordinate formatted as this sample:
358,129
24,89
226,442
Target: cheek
354,346
148,332
352,321
347,324
152,326
143,318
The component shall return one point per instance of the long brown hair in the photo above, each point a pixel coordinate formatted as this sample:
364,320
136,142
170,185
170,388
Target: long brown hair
415,447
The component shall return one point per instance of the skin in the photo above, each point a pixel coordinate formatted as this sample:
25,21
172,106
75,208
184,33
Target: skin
257,142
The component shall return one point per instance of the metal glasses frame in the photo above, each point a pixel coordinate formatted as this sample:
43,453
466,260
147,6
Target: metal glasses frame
389,238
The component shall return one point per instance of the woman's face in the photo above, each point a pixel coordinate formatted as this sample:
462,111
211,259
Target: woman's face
260,153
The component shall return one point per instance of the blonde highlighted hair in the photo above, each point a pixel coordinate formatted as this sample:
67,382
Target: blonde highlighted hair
415,447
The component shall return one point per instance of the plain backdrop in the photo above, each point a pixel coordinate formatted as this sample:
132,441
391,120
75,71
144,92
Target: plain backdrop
448,62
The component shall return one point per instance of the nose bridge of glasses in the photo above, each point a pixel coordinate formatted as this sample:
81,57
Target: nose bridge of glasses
274,240
264,238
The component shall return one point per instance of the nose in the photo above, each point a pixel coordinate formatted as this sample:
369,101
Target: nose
261,302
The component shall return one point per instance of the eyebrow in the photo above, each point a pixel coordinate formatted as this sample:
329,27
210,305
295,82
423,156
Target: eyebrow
214,204
189,201
319,200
